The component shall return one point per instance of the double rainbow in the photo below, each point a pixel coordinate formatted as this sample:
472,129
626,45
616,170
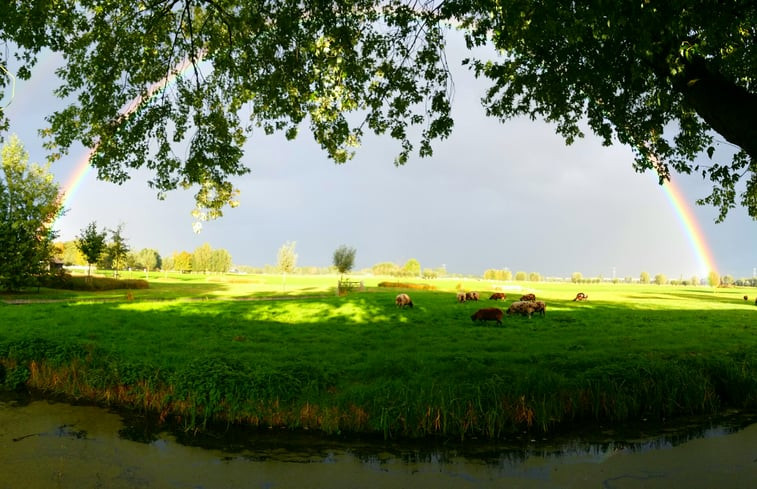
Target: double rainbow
678,202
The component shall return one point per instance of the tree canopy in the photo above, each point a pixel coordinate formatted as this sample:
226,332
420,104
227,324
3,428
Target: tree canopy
286,257
660,77
344,258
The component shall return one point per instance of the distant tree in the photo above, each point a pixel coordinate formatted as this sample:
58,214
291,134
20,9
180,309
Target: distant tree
576,277
91,244
182,261
29,203
644,278
168,263
694,280
117,249
148,258
520,276
713,278
201,258
132,261
344,259
385,268
70,254
412,268
286,260
220,261
726,280
429,273
660,279
534,277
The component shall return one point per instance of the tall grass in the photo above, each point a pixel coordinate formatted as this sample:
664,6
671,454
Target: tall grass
359,364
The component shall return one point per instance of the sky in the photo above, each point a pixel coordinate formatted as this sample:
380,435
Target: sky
494,195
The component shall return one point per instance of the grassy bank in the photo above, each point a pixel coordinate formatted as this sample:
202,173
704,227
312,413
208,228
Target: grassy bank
305,358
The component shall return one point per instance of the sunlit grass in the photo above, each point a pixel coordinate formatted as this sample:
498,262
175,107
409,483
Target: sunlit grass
358,363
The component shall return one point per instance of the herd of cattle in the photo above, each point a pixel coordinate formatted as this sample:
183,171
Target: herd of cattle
526,306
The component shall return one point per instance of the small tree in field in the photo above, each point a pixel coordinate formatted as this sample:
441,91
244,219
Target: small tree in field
287,260
713,278
118,248
181,262
91,244
344,259
412,268
644,278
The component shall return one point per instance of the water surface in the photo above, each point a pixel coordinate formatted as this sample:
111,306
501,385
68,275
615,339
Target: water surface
57,445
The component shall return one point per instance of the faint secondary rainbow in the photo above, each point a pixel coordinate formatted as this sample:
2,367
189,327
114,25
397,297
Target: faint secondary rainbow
691,227
82,166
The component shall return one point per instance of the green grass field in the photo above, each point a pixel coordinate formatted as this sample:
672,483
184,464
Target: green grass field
250,349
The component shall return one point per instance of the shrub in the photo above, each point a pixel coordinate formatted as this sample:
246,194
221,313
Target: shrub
407,285
99,283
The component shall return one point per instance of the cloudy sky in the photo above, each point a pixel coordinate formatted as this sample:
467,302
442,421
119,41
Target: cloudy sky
494,195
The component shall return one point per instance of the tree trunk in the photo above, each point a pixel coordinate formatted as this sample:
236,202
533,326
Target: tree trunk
728,108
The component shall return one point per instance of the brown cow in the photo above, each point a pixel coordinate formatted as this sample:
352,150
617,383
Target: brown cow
528,297
498,296
461,297
526,308
403,300
471,296
488,314
581,297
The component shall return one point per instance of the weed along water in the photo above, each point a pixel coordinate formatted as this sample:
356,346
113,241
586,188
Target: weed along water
46,444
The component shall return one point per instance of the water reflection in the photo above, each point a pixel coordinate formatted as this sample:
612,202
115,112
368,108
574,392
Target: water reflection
45,444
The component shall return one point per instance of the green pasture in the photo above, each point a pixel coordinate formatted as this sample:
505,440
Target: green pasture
251,349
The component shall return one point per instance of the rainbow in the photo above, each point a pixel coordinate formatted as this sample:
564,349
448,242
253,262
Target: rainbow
74,181
82,166
691,227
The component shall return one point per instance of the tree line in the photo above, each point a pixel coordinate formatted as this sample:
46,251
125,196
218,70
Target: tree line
92,247
30,201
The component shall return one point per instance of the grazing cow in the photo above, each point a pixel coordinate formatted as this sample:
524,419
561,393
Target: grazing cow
540,307
746,297
524,308
403,300
498,296
581,297
488,314
461,297
528,297
471,296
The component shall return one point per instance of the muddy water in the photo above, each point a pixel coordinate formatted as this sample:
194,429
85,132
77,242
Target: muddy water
57,445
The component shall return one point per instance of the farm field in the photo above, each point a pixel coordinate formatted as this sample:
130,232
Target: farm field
255,350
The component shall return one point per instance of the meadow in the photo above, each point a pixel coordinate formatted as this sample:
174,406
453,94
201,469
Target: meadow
259,351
